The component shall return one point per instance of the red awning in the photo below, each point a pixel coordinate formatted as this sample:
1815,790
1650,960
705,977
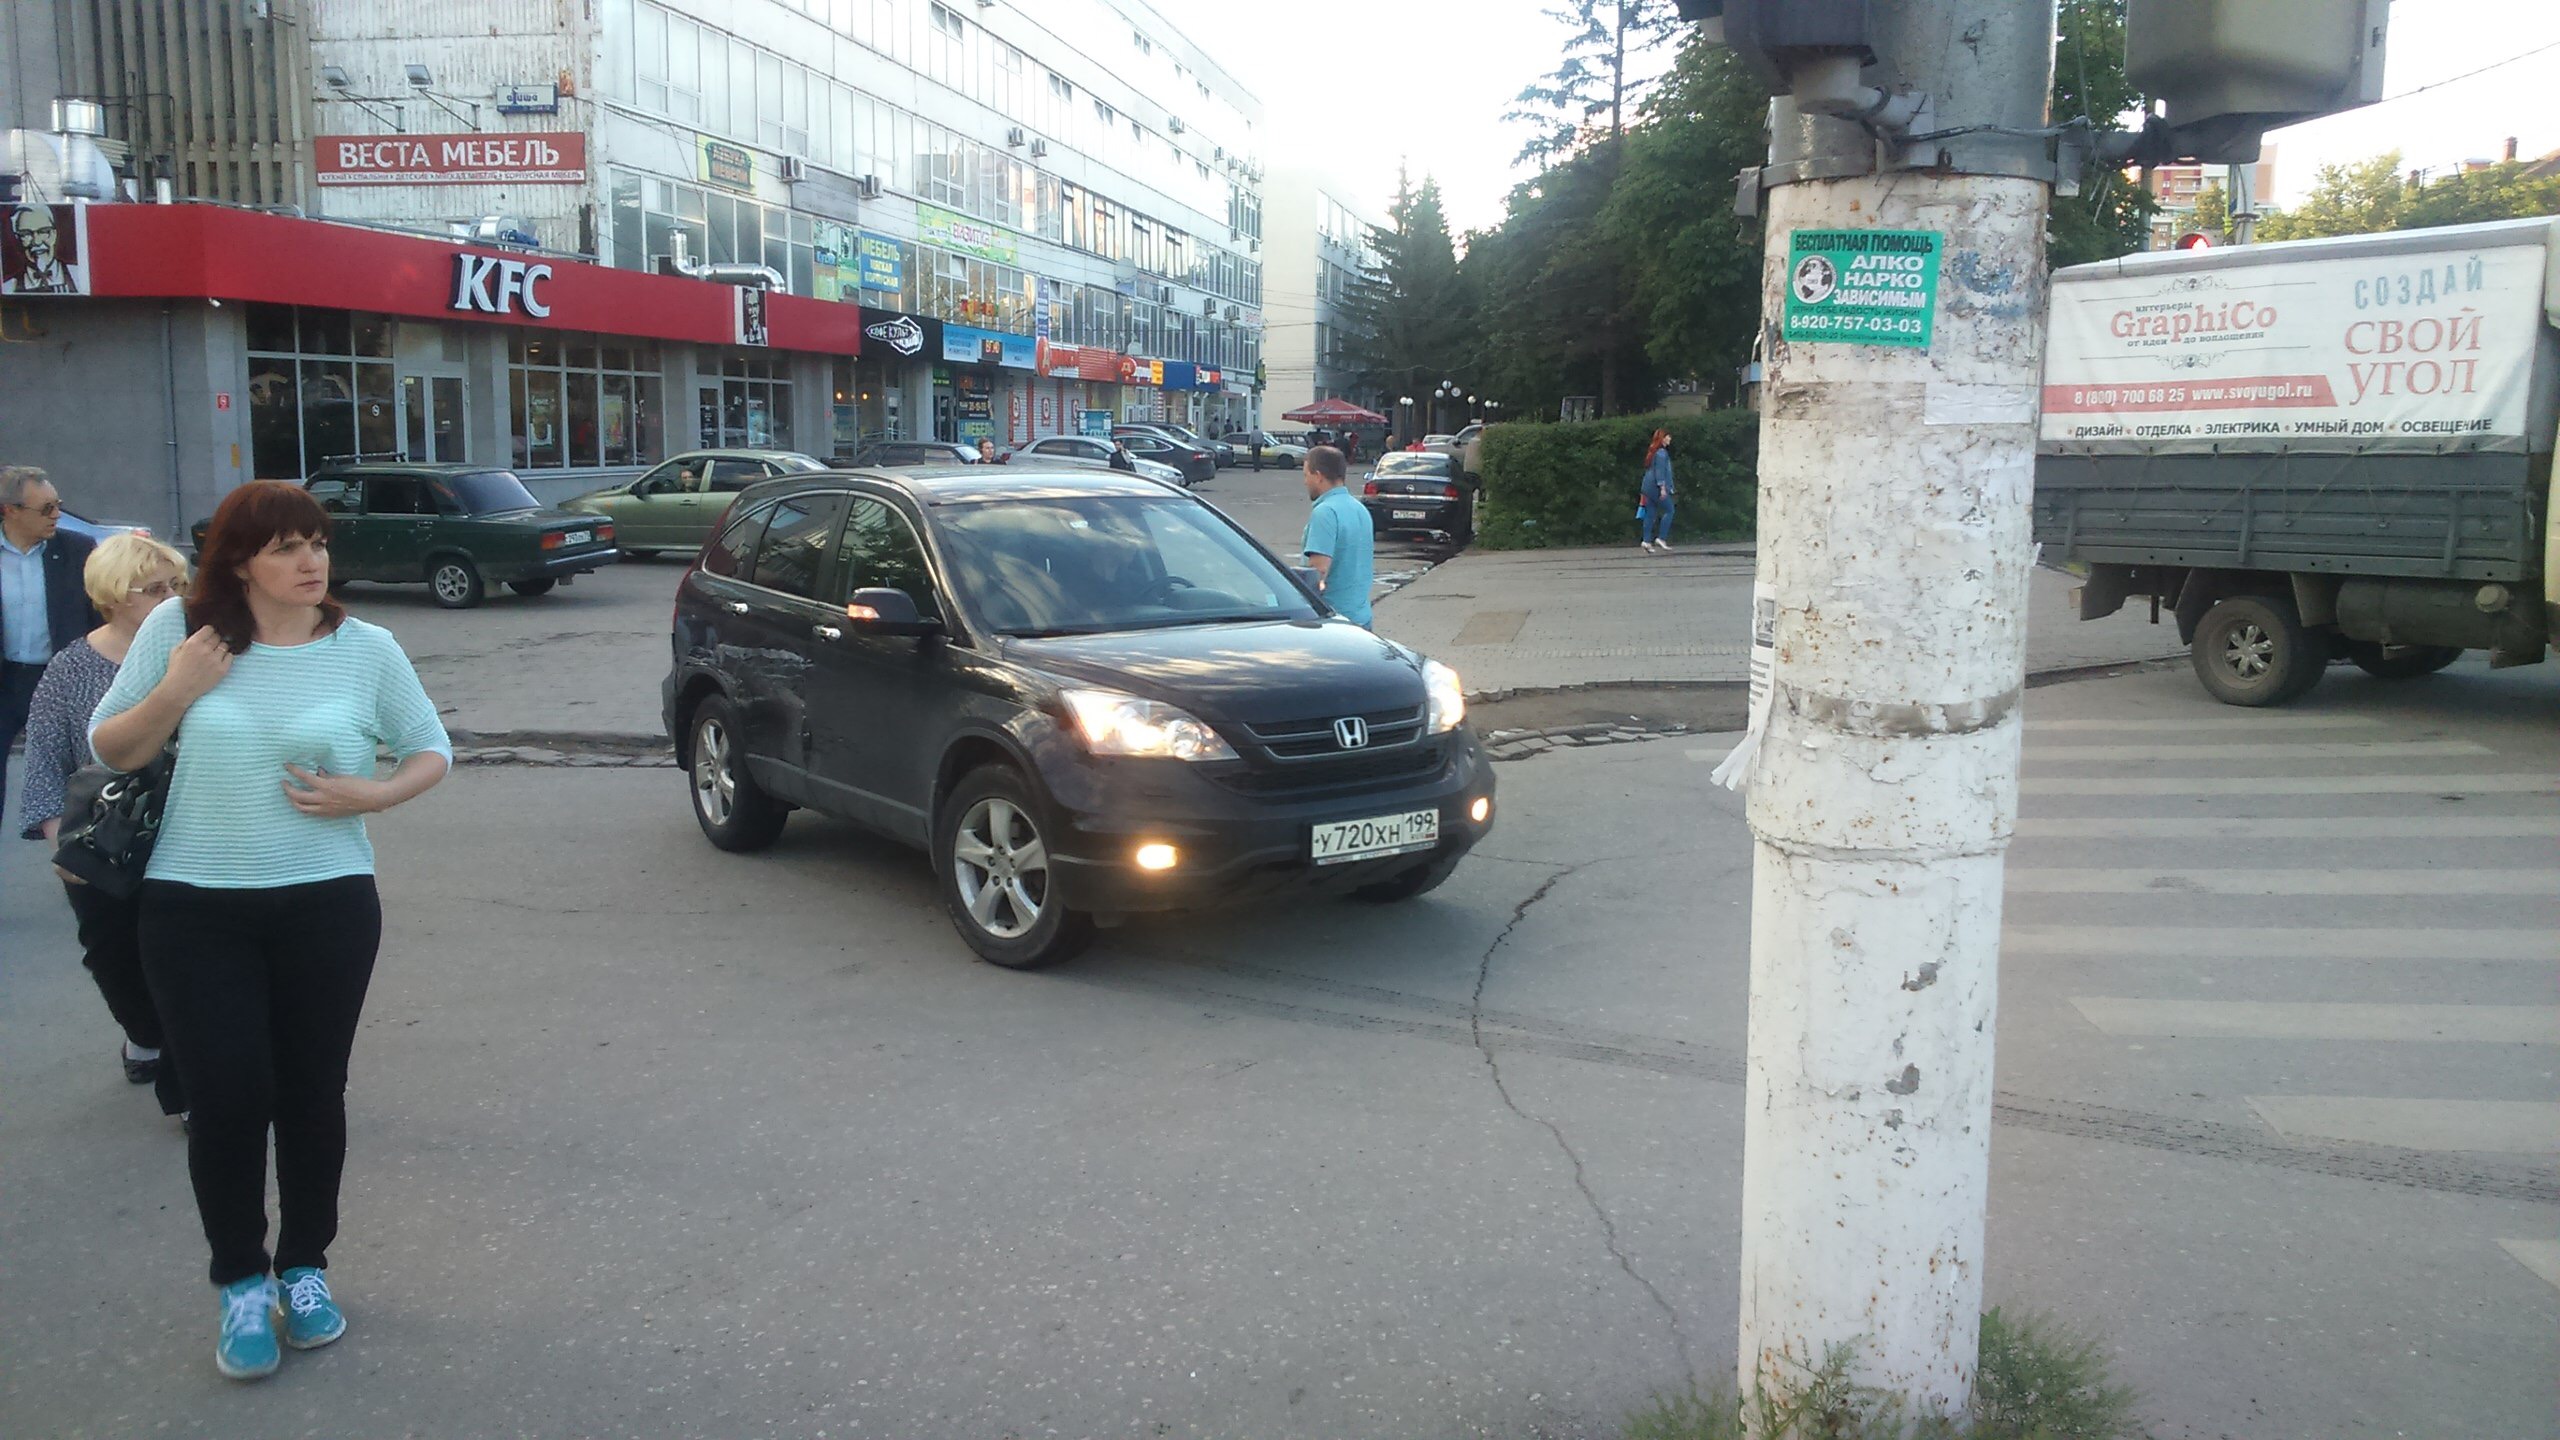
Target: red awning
1334,412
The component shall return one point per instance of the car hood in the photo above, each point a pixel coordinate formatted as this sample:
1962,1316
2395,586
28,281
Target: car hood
1253,673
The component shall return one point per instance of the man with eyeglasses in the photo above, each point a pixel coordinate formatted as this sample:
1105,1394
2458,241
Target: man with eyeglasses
43,604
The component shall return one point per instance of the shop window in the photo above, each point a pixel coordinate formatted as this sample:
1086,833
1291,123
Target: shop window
320,389
582,401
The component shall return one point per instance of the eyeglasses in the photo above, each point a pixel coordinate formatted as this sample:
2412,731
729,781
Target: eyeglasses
48,509
158,589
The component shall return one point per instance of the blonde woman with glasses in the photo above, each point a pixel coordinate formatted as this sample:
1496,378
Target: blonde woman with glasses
127,576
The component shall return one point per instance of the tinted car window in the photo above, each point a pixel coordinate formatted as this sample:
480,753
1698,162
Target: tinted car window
489,492
394,495
794,548
1083,564
733,554
880,551
728,477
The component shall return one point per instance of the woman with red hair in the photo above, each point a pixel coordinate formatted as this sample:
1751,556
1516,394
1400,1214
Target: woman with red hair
1655,496
259,920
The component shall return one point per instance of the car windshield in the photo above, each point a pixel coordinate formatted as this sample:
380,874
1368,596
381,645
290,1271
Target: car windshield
1405,462
1066,564
492,492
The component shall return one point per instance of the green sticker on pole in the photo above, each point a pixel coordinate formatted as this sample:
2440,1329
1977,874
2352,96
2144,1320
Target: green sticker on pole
1862,287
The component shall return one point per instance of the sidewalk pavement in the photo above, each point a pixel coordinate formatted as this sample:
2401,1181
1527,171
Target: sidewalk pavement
1529,620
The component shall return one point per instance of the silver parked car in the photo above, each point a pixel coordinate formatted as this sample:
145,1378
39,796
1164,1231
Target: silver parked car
1086,452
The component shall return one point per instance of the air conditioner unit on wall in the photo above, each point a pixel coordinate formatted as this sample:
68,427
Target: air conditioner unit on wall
1173,123
1164,294
792,168
1017,137
1235,312
868,187
1208,305
1039,149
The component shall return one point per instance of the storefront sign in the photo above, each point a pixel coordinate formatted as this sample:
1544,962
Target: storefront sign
975,392
729,165
751,317
45,250
495,286
1096,423
1136,371
968,345
962,235
545,159
1043,296
902,335
1863,287
528,99
881,263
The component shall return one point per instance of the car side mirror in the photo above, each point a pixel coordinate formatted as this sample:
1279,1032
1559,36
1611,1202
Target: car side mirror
889,612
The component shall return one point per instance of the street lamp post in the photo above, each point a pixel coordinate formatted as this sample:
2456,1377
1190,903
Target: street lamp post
1406,415
1442,399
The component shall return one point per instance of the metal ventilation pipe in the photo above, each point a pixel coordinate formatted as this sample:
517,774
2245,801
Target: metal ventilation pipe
761,277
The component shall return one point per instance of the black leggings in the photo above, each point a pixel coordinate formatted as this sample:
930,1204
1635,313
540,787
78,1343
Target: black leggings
111,946
259,991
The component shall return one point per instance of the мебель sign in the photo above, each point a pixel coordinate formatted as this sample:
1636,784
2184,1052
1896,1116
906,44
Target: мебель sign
544,159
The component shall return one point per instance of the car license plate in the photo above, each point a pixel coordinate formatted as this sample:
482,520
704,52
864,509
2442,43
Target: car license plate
1411,515
1379,835
577,537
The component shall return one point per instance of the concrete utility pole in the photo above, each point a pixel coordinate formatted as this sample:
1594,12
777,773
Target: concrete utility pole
1903,314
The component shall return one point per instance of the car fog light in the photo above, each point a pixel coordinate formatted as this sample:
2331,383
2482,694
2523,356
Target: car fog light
1482,810
1156,857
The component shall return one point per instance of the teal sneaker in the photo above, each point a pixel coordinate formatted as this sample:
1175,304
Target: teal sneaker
311,1318
246,1348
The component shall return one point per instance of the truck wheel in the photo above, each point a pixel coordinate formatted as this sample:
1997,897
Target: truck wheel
2253,650
2400,662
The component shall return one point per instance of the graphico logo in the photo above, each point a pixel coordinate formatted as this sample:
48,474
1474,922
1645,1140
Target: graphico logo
902,334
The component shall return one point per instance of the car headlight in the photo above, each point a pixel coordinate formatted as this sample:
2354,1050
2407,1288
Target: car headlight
1448,696
1117,724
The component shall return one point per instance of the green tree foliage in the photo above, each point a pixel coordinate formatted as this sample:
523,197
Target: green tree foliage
1589,92
2213,212
2371,196
1567,322
2110,216
1694,264
1410,316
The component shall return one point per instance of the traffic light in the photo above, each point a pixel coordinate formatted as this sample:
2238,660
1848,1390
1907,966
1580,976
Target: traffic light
2228,71
1772,35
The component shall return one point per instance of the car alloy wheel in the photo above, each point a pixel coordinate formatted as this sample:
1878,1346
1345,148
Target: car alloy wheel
715,784
455,583
1001,867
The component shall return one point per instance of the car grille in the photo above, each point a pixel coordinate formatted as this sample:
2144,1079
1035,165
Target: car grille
1312,777
1313,738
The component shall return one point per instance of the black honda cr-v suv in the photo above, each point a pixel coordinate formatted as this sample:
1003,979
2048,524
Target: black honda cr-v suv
1083,694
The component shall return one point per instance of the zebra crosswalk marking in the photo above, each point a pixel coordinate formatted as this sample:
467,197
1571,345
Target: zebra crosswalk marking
2201,724
2282,942
2323,827
2520,783
2032,880
2317,1020
2509,1126
2542,1257
2260,751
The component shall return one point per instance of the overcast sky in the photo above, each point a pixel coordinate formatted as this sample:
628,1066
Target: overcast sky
1375,82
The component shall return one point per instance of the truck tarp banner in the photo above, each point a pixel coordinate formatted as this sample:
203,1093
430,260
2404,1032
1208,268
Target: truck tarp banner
2415,350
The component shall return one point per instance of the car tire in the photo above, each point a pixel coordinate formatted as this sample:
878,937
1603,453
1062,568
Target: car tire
2400,662
983,831
1421,880
734,812
2253,650
455,583
531,588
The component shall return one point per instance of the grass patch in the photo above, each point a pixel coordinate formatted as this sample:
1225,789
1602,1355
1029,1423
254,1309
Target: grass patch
2037,1381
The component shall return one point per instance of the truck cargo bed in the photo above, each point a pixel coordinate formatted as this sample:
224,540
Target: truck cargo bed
2468,516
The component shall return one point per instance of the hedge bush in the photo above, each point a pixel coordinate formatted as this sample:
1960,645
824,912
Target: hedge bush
1574,483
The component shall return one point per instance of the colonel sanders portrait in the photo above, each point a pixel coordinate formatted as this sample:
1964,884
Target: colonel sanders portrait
40,252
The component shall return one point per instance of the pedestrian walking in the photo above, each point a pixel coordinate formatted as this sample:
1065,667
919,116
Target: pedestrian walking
1351,446
1654,498
1257,452
43,604
125,578
1341,539
259,917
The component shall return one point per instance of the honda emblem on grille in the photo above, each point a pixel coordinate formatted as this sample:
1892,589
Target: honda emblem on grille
1351,732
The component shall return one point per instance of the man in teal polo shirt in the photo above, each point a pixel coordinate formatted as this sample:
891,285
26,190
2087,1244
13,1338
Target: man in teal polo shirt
1341,540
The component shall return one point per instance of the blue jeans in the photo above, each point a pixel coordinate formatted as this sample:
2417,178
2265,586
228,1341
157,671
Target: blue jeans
1657,519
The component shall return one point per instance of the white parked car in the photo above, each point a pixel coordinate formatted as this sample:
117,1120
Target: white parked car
1086,453
1274,449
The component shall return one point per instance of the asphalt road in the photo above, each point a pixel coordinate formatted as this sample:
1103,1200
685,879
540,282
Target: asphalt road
656,1141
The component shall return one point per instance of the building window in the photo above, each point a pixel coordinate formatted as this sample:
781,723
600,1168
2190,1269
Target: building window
320,389
948,21
753,406
1059,88
583,401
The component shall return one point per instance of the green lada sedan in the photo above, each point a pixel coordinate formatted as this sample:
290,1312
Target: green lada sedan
674,506
457,529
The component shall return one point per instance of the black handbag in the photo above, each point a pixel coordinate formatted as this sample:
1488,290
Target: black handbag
110,846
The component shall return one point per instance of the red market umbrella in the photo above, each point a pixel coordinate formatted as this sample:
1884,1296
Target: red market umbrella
1333,412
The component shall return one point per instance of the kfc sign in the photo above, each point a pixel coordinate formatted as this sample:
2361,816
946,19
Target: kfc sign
543,159
493,286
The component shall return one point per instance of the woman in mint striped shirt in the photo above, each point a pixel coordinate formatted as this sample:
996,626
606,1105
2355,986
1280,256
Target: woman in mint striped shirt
259,918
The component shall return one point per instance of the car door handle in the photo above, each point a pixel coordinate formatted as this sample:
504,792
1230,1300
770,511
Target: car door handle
735,607
826,632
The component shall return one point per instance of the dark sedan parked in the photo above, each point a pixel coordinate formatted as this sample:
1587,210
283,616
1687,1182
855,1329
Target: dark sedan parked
1084,695
1421,491
1197,465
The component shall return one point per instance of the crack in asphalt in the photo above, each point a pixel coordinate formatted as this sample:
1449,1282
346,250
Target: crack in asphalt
1581,1177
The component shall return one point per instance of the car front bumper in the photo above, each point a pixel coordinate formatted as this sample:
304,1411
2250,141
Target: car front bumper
1232,845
